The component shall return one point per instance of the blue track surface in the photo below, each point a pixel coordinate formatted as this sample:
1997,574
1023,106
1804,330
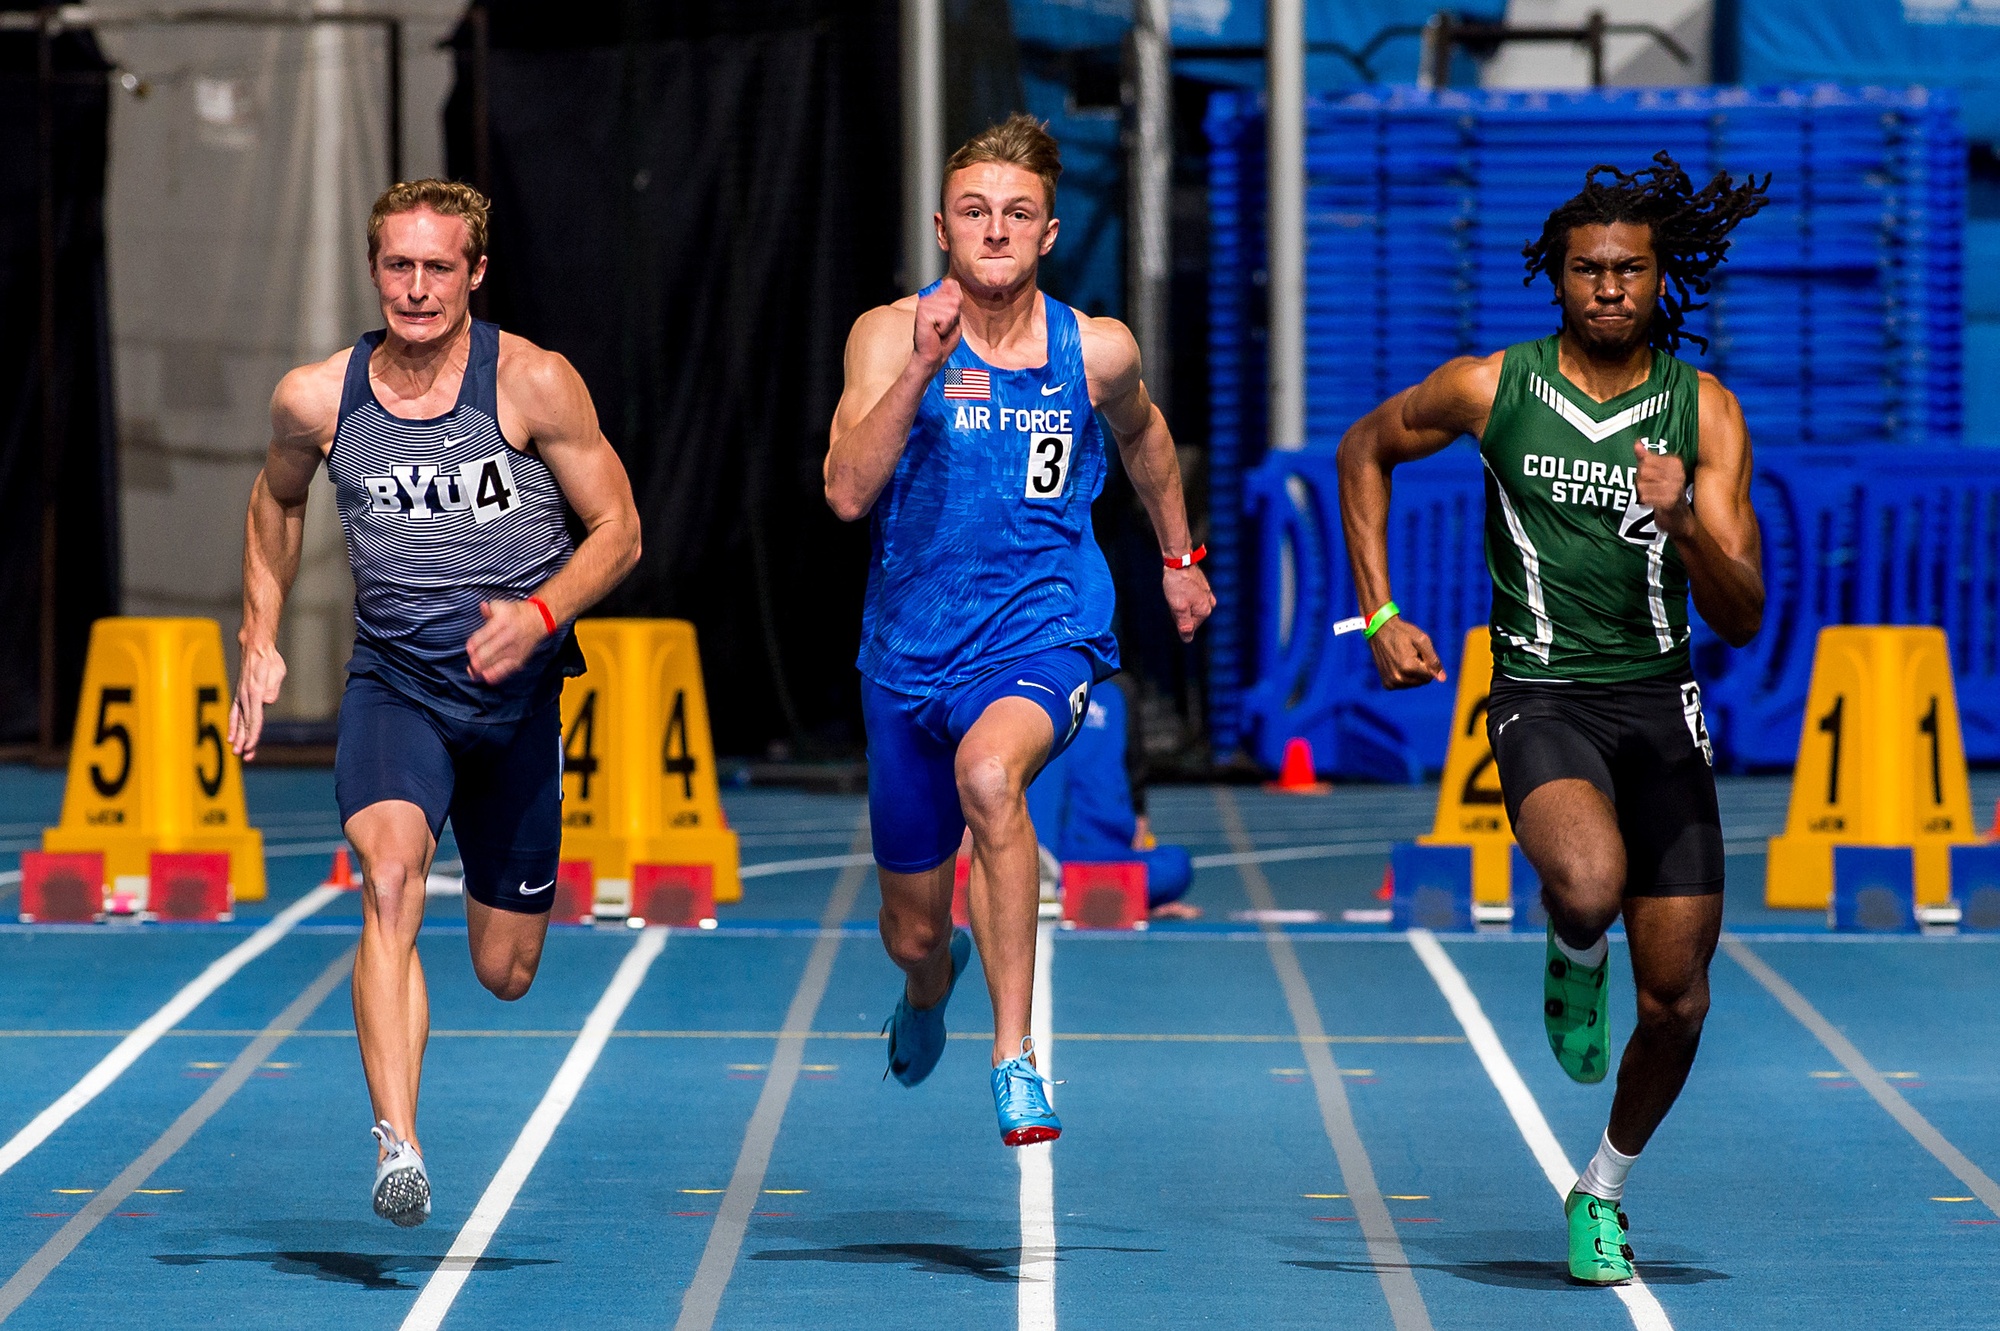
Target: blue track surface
1197,1183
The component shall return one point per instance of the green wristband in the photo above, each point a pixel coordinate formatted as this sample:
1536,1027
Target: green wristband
1379,618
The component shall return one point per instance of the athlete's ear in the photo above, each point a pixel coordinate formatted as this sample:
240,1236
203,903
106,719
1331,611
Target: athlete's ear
943,239
1049,237
478,274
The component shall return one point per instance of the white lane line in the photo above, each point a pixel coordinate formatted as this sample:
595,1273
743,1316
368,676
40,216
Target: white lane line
1975,1179
702,1299
771,867
1336,850
134,1176
1035,1279
1646,1312
470,1245
1386,1254
170,1015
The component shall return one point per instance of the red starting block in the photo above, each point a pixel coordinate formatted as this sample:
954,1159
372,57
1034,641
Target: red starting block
961,892
189,886
61,888
576,893
681,895
1108,895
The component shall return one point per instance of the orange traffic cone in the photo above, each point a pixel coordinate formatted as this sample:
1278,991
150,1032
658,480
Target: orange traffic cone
1296,777
342,875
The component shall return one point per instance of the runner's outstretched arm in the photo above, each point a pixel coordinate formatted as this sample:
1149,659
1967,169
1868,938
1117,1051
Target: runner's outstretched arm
1716,535
892,353
555,407
1146,445
302,413
1454,399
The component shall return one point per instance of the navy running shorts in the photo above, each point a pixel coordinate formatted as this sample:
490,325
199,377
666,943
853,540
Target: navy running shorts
499,783
913,811
1645,744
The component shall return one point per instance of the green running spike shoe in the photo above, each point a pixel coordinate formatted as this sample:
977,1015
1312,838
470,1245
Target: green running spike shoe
1576,1012
1598,1252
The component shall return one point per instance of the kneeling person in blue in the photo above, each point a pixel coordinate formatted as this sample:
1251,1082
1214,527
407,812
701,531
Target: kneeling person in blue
968,434
1084,809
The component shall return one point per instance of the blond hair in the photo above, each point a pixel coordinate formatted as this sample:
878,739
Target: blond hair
446,198
1019,140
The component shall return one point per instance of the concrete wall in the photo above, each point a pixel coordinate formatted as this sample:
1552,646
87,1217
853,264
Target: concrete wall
1633,60
239,192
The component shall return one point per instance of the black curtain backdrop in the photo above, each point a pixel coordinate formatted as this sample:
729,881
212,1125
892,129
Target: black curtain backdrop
693,203
86,486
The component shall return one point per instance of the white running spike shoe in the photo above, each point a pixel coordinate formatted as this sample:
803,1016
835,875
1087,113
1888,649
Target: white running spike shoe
402,1188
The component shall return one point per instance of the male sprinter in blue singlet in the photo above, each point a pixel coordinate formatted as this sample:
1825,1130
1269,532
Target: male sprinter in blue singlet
455,452
968,430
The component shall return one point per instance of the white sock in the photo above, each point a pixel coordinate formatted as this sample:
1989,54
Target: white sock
1590,958
1604,1176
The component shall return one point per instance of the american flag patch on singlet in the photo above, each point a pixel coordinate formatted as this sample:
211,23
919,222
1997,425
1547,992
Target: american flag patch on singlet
967,385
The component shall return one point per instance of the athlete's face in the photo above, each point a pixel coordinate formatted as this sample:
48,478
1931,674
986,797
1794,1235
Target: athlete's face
995,225
422,274
1610,285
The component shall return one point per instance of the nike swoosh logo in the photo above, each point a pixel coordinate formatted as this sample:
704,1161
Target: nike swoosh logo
1029,683
527,891
1050,390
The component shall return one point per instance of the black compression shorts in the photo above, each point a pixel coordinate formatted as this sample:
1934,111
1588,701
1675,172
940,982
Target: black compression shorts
1643,743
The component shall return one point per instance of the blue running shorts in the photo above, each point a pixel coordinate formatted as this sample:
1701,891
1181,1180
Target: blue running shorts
500,784
913,810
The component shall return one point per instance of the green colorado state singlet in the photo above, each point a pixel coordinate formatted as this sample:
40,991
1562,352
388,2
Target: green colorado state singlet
1584,586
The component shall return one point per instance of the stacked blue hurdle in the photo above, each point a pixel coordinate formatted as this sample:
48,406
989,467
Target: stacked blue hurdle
1837,321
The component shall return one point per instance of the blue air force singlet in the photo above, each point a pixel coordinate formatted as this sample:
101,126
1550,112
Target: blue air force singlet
440,515
983,551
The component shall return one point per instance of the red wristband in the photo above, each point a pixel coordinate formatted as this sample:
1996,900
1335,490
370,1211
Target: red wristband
1188,560
548,620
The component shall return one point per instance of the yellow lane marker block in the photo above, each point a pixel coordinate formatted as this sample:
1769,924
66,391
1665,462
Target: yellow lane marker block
1470,810
1357,1072
1288,1072
747,1067
1324,1196
704,1192
156,1192
74,1192
1406,1196
280,1065
1830,1075
785,1192
1954,1199
208,1065
1901,1076
819,1067
150,768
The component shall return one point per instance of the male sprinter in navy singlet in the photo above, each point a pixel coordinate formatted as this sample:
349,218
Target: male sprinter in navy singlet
968,431
455,452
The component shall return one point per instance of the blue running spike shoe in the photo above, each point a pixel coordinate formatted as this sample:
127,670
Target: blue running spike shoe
1020,1095
916,1035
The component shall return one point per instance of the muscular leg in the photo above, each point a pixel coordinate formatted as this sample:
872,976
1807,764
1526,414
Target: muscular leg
1673,940
1569,832
996,760
916,929
506,947
391,1006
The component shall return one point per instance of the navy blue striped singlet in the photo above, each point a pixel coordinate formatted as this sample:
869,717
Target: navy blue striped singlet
440,515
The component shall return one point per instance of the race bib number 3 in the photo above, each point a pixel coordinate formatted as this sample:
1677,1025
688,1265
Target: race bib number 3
1048,464
490,483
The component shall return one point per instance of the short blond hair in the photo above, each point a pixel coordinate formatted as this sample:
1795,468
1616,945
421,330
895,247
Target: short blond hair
446,198
1019,140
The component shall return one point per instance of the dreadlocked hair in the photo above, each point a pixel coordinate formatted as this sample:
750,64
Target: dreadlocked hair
1690,232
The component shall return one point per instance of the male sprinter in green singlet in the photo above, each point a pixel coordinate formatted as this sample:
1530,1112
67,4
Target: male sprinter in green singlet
1617,480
